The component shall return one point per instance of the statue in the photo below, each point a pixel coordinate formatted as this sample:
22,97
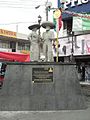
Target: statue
34,42
47,37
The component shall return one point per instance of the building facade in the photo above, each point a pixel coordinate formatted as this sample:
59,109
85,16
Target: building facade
13,42
76,43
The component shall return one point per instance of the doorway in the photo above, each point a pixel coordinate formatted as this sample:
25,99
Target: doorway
13,46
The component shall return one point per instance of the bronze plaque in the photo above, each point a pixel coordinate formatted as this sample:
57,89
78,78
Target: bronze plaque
42,74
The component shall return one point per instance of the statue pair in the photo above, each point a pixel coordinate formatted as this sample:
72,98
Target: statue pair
41,47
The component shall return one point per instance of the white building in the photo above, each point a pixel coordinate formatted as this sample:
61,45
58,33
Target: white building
13,42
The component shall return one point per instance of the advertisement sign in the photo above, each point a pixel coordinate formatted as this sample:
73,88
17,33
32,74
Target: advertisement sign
71,3
7,33
81,45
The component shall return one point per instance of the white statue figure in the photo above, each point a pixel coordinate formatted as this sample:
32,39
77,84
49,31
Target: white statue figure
47,37
34,42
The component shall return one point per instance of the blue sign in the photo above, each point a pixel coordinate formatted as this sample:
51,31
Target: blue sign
83,8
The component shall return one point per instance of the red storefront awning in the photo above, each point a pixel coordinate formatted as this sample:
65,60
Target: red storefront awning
13,56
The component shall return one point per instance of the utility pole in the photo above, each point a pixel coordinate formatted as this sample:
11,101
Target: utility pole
47,10
16,30
39,41
72,49
47,5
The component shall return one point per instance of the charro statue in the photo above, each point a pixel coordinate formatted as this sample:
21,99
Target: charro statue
47,37
34,42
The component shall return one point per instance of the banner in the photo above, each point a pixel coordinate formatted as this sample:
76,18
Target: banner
88,46
59,19
82,24
59,22
13,56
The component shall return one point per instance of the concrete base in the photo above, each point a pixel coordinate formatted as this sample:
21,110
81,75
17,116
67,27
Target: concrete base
20,93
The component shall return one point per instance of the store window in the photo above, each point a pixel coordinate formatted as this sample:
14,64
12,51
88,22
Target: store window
67,24
4,44
23,46
27,46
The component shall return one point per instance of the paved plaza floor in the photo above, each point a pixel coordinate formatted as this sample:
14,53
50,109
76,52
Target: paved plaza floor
46,115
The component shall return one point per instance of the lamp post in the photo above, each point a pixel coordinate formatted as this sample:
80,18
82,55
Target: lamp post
39,33
72,49
39,22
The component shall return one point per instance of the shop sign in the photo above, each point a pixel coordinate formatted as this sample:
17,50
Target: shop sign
25,51
73,3
7,33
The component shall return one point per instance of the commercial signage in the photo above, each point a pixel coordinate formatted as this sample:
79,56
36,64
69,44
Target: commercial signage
7,33
25,51
72,3
81,45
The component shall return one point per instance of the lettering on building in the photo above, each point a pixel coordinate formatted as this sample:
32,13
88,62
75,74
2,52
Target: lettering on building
7,33
73,3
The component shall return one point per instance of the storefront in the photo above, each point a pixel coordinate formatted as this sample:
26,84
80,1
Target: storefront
77,43
12,42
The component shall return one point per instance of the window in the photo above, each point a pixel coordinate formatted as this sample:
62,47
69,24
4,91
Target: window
27,46
23,46
4,44
67,24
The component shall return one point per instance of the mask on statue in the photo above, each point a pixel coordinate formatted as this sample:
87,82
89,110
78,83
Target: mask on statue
34,29
47,28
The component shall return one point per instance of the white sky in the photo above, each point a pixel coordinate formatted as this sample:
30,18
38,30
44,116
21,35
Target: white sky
22,13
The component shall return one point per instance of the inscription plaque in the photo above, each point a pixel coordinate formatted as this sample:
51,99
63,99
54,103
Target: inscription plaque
42,74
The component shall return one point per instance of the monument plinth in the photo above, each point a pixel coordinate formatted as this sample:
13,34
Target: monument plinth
41,86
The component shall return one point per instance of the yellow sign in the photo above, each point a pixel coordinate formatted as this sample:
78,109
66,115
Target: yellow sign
25,51
7,33
57,13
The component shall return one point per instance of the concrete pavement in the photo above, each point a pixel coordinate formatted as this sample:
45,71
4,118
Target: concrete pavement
46,115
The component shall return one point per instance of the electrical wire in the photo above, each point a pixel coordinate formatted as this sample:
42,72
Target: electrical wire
20,3
28,5
16,23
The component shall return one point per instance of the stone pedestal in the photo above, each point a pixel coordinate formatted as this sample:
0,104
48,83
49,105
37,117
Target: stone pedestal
41,86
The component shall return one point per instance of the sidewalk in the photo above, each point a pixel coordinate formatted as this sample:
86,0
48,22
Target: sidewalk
49,115
46,115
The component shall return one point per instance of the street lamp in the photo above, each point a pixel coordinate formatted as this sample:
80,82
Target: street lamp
39,21
72,49
40,46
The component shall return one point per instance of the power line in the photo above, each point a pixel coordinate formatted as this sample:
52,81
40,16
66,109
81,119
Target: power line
18,4
8,6
16,23
21,3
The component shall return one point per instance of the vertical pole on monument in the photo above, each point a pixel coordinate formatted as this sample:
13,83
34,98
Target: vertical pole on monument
57,14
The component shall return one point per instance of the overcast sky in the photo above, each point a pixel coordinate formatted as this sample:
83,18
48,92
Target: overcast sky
22,13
